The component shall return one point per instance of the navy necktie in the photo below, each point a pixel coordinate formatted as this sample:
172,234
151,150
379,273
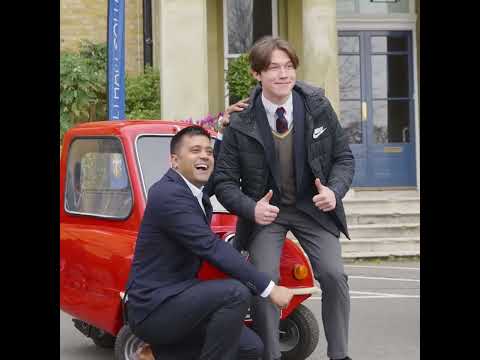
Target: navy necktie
207,206
282,124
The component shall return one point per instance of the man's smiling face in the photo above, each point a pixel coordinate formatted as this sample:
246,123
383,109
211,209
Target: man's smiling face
194,159
279,77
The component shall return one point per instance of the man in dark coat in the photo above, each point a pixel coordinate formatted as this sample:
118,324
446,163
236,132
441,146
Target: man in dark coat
180,316
285,164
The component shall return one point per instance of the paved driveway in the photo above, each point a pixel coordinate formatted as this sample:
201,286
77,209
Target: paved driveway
384,319
384,313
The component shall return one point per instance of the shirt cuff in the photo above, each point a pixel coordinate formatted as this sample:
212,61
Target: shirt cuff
268,290
219,136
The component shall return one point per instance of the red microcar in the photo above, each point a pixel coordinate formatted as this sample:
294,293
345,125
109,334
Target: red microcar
106,170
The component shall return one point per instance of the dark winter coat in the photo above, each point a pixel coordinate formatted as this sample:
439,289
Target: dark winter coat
247,167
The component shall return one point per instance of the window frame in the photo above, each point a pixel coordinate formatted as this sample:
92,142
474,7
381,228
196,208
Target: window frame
217,208
357,13
97,215
227,55
137,157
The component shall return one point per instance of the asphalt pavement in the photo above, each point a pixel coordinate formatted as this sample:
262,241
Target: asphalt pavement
384,316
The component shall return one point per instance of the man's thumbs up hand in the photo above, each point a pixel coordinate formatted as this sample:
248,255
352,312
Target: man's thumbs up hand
325,199
319,185
267,197
264,212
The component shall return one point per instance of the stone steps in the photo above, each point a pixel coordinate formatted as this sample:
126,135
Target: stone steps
382,223
376,205
382,193
369,231
378,217
380,247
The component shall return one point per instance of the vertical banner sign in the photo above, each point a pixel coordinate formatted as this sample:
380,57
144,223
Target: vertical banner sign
116,60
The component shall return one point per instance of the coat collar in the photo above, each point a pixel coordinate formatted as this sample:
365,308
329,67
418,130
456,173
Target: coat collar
314,98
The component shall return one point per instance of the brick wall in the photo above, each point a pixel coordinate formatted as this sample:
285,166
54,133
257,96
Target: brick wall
87,19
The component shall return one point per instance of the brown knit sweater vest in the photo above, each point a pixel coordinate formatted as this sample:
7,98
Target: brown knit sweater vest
284,152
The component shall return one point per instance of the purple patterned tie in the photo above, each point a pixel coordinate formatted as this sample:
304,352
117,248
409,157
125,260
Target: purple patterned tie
282,124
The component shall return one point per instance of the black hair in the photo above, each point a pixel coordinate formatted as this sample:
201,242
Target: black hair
192,130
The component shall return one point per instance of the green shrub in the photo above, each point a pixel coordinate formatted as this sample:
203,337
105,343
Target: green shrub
95,55
83,88
142,99
82,85
239,79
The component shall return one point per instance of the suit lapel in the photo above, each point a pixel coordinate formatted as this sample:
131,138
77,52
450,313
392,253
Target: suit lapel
172,174
267,137
298,137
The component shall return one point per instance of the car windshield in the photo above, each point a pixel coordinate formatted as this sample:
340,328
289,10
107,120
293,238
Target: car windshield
153,156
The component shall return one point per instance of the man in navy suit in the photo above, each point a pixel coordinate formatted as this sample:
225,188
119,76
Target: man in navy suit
180,316
285,164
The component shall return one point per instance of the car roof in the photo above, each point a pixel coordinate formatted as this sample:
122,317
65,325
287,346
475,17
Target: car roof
129,127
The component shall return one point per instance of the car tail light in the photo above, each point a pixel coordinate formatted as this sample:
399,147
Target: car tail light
300,271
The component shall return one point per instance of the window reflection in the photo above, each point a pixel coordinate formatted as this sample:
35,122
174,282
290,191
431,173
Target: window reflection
247,21
390,76
398,76
240,26
379,76
388,43
348,44
391,121
97,181
351,121
349,76
368,7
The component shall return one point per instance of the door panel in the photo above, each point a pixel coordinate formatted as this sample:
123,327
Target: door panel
376,105
351,79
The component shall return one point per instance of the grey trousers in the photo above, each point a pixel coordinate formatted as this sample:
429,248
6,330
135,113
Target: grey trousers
324,252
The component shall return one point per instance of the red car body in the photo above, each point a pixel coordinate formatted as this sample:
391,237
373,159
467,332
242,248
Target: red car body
96,253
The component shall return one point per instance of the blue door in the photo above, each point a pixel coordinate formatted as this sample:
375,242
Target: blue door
376,105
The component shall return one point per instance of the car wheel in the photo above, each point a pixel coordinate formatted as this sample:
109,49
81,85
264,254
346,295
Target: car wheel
298,334
126,344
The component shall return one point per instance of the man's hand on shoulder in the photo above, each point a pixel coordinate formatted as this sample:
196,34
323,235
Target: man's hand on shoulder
281,296
264,212
225,119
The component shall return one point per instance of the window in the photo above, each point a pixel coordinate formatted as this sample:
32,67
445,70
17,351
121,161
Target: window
368,7
97,181
349,66
246,21
153,156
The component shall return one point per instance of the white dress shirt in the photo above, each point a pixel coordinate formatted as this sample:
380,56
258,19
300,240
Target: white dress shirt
271,108
198,193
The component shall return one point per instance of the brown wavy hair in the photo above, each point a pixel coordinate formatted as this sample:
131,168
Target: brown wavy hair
261,52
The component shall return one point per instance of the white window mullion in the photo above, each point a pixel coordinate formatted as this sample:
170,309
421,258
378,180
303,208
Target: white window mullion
225,52
274,18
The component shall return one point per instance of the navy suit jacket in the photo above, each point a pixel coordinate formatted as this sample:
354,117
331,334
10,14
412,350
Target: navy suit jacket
174,237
